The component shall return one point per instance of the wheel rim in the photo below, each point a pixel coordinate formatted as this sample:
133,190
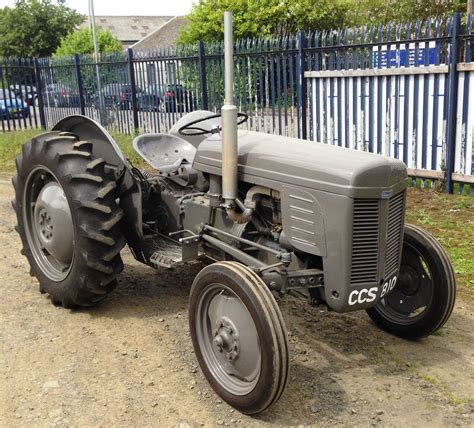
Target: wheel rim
413,293
48,224
228,340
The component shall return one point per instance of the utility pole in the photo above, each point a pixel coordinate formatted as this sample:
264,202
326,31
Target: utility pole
96,58
470,6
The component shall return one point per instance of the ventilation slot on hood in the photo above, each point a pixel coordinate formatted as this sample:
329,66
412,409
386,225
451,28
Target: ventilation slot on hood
396,207
365,241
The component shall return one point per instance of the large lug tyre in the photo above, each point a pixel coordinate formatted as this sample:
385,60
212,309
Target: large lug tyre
68,219
239,336
424,295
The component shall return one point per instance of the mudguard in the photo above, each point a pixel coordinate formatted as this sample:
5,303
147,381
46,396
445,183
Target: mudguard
104,146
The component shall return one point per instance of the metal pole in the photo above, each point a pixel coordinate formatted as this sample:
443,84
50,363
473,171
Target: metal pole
301,86
80,86
229,119
96,57
202,71
133,84
39,93
453,102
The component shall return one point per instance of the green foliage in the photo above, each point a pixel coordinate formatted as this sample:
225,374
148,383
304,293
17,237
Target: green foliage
262,18
35,27
81,42
367,12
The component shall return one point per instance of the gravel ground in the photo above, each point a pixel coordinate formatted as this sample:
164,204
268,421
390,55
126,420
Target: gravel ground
130,361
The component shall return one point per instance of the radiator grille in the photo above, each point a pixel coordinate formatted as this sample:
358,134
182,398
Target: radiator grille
365,241
396,207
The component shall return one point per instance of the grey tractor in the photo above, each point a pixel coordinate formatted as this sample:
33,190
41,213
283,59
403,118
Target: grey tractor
273,214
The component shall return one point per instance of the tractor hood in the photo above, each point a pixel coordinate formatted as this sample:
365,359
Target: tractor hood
273,161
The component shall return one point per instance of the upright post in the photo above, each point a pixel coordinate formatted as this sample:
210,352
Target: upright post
133,85
80,86
2,92
301,85
453,102
39,93
202,72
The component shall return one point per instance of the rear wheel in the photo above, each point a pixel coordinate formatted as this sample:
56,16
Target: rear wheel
424,295
239,336
68,219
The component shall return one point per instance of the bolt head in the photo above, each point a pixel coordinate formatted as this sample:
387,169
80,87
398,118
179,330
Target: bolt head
218,342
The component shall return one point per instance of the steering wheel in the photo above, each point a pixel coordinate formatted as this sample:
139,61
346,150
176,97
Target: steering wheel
189,129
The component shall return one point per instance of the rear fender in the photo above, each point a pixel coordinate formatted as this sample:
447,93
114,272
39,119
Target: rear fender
129,190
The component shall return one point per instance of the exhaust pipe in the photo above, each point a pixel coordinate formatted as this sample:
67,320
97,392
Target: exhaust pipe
229,132
229,120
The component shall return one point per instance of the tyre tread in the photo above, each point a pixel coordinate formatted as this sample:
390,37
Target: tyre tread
98,235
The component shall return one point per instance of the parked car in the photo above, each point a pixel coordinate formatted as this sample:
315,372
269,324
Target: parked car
176,98
150,98
11,106
116,94
60,95
25,92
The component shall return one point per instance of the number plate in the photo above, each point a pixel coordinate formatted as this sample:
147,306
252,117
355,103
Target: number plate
388,286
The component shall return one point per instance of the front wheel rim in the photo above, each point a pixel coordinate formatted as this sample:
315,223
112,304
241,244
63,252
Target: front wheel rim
412,296
228,340
48,224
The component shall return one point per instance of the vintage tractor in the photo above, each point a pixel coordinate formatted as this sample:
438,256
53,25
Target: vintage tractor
275,214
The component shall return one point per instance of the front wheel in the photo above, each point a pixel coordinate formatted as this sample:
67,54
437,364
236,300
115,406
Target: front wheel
239,336
424,295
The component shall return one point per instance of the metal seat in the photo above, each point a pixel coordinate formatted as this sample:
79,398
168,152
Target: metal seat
164,152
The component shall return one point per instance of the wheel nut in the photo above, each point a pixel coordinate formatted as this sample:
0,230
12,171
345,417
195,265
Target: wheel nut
218,342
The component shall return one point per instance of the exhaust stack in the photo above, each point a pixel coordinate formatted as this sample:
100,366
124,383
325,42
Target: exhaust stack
229,121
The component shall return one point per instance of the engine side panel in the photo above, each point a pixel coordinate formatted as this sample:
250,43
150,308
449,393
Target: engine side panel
303,221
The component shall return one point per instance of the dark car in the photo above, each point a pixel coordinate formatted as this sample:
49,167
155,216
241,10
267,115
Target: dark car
11,106
25,92
116,94
176,98
60,95
150,98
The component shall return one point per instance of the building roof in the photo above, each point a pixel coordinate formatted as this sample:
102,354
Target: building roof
164,36
129,29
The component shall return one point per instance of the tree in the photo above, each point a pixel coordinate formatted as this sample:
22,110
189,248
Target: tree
35,27
81,42
261,18
365,12
254,18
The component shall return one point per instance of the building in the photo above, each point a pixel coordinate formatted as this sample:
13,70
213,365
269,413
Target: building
132,30
164,36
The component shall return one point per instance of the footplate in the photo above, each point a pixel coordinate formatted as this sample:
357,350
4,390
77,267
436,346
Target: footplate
167,252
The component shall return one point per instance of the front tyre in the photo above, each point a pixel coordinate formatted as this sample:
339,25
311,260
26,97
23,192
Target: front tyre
424,295
239,336
68,219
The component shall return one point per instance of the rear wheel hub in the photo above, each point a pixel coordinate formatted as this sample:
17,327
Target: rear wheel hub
49,225
53,222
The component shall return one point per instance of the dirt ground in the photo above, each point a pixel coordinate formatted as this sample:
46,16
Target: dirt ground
130,361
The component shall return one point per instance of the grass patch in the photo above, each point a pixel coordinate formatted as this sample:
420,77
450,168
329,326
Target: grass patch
450,218
10,147
11,142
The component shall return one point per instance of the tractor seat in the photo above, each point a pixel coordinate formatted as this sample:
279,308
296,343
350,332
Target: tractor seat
164,152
